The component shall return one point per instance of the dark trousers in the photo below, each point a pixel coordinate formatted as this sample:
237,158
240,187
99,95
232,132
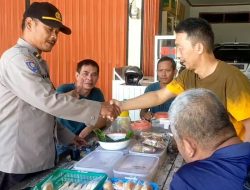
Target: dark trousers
9,180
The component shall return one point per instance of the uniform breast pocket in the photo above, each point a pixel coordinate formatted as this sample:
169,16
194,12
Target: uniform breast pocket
27,109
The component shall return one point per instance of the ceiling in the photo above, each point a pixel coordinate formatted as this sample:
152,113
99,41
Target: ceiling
195,3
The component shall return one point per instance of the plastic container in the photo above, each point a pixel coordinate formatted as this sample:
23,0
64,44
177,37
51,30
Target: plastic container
141,167
161,115
114,145
99,161
160,153
124,151
161,123
141,125
60,176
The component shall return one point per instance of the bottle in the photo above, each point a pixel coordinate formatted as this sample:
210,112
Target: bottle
75,153
122,123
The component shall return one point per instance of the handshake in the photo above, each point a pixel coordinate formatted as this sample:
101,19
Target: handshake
111,109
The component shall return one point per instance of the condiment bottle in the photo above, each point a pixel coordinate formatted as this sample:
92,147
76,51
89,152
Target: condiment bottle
122,122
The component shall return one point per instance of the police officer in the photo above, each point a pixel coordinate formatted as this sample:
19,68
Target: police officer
29,102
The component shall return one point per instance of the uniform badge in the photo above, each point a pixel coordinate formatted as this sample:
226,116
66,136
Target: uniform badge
58,16
32,66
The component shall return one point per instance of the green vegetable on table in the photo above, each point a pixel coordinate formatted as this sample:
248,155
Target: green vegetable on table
100,135
129,135
105,138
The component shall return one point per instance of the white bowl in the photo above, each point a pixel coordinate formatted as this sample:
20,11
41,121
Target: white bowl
115,145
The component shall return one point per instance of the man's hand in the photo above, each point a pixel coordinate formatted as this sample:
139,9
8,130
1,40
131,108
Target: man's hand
109,111
117,103
78,141
147,116
86,131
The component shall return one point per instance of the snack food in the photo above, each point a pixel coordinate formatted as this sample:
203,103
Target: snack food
108,185
138,147
118,185
146,186
138,186
128,186
153,135
154,143
141,125
48,186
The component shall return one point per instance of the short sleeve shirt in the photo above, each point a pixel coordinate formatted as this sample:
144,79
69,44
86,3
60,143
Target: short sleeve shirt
160,108
76,127
228,83
225,169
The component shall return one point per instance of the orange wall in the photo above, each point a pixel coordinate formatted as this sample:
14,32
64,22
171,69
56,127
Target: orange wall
150,29
99,32
10,23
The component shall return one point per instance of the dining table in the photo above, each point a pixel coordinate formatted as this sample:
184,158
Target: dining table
171,162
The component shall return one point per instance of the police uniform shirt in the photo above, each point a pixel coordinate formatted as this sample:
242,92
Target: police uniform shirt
28,106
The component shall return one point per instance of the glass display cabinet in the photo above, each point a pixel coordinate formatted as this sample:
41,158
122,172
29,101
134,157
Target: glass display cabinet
164,46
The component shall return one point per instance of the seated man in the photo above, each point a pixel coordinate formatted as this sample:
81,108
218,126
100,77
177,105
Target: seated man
86,78
216,158
166,70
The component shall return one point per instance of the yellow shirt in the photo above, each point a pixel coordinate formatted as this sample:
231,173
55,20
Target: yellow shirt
228,83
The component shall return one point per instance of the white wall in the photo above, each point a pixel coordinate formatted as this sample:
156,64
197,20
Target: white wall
134,37
228,32
187,8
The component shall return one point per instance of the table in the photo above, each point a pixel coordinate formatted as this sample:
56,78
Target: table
166,171
172,162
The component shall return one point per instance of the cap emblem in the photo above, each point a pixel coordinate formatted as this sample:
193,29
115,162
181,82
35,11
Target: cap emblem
48,14
58,16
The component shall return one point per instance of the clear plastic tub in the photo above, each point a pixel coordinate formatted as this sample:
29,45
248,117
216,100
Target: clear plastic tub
161,123
99,161
160,153
141,167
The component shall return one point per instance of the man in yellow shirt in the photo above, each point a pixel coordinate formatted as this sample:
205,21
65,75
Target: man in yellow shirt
194,43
